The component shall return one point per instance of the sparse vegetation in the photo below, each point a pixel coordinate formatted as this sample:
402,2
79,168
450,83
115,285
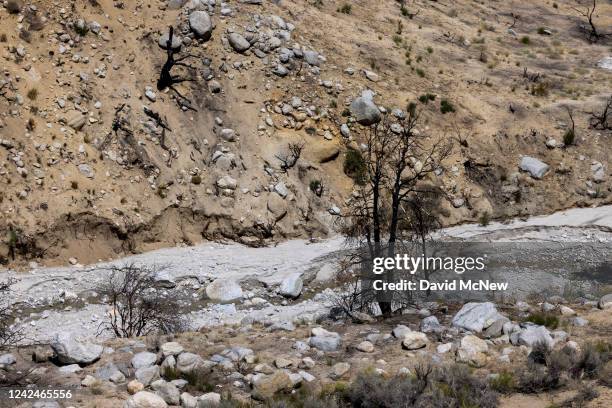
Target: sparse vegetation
425,98
543,319
345,9
196,179
354,166
484,219
10,334
446,106
32,94
316,186
525,40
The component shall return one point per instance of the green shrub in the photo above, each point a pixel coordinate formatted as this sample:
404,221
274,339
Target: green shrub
451,386
316,187
425,98
446,106
196,179
32,94
345,9
484,219
543,319
355,166
526,40
540,89
569,137
504,383
420,72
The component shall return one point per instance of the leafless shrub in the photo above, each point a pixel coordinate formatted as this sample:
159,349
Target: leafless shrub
9,333
137,306
451,386
592,33
603,120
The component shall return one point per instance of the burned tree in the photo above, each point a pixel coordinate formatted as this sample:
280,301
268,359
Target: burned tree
137,305
290,159
603,119
163,124
389,209
591,31
166,79
10,334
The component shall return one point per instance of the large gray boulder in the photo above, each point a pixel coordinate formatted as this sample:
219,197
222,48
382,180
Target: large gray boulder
324,340
535,167
238,42
70,351
431,324
414,340
200,24
147,375
605,302
144,359
364,110
291,286
472,351
224,290
531,335
312,58
168,391
144,399
476,316
188,362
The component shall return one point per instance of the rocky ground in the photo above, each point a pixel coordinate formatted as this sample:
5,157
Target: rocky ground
259,322
96,162
258,362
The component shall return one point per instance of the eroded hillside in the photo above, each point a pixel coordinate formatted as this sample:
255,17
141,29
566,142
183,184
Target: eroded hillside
95,161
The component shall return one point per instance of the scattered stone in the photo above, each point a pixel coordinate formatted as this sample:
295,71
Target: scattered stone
400,331
566,311
168,391
605,63
7,359
476,316
324,340
431,324
444,348
188,362
70,351
209,400
366,347
472,351
143,359
265,386
535,167
145,399
224,290
292,286
147,375
605,302
135,386
171,348
531,335
414,340
238,42
200,24
340,369
365,110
